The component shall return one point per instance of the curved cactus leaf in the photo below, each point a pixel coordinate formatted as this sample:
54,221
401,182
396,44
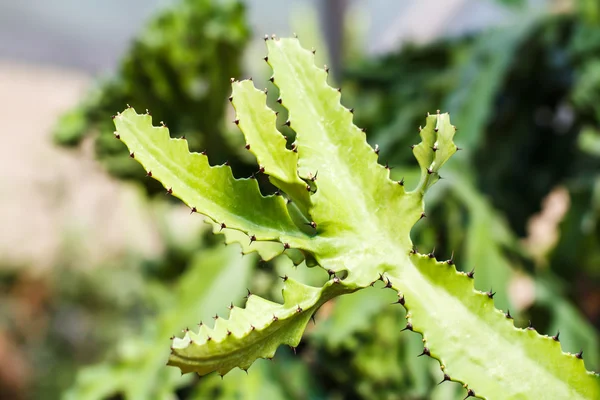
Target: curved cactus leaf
362,222
255,331
210,190
496,359
258,123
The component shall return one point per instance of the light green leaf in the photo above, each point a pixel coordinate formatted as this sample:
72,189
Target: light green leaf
210,190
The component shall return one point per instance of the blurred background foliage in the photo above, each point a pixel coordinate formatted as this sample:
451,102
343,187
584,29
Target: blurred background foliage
520,205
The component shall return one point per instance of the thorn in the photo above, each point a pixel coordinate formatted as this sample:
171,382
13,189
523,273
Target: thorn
294,349
148,112
434,148
326,69
247,146
117,136
530,327
507,314
388,167
287,123
376,149
149,174
172,337
555,337
458,148
351,110
412,146
414,249
252,239
425,352
400,299
446,378
420,128
275,318
408,327
312,224
423,215
248,295
286,246
193,210
162,123
491,294
272,79
313,50
183,137
266,37
223,226
203,152
252,327
226,163
579,355
299,309
230,307
266,58
429,171
277,192
296,36
339,90
216,317
170,191
236,121
261,170
432,254
470,393
401,182
388,284
312,317
295,148
314,177
279,100
284,278
471,274
336,279
128,106
229,334
200,323
186,330
230,98
132,154
266,91
363,130
451,260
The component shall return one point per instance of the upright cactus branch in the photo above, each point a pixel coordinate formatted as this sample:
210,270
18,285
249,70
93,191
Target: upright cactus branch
358,230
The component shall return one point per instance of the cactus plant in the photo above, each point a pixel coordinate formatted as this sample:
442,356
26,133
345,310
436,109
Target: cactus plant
337,206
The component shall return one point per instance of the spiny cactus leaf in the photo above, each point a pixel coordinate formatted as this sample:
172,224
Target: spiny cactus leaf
258,123
210,190
496,359
255,331
362,222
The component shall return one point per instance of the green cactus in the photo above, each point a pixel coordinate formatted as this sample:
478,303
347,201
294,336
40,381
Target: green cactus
341,210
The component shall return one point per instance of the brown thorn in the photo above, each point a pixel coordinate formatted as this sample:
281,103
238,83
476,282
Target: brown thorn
409,327
555,337
132,154
425,352
580,354
446,378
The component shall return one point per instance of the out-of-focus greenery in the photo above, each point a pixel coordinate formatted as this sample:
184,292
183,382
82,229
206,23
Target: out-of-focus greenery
179,68
526,101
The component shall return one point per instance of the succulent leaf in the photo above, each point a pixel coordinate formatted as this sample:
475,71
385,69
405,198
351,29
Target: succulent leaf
255,331
210,190
258,123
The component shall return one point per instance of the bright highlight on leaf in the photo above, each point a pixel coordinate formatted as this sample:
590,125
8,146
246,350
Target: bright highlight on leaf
339,208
